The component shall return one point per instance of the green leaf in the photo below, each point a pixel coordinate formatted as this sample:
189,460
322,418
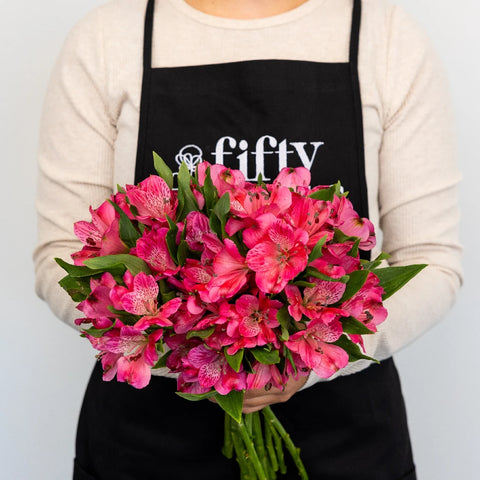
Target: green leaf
375,263
327,194
77,288
166,293
265,356
221,209
235,360
285,320
353,326
186,200
194,397
111,262
182,252
288,355
215,225
163,170
120,189
394,278
200,333
353,350
97,332
232,404
317,250
171,239
77,271
162,361
210,192
313,272
340,237
128,233
354,250
303,283
355,282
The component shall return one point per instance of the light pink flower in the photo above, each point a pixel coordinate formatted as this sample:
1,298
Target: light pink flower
129,353
225,179
315,348
196,226
279,259
315,299
142,300
214,370
293,177
153,200
152,247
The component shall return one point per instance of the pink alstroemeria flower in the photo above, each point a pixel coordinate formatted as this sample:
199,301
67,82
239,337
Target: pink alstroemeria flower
350,223
265,375
315,299
196,226
95,306
101,236
293,177
129,353
257,317
142,300
315,348
230,272
224,179
279,259
153,200
214,370
366,306
152,247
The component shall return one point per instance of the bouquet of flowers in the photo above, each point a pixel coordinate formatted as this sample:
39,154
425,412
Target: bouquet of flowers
233,286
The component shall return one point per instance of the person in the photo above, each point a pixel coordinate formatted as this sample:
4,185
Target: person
350,89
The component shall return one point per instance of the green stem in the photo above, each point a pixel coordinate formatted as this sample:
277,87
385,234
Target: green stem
294,451
278,448
246,469
247,440
227,449
269,446
258,441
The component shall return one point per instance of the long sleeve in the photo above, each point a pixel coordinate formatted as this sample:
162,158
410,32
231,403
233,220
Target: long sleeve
418,179
75,156
417,191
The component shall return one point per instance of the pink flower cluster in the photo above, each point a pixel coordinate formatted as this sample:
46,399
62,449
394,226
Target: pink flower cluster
241,301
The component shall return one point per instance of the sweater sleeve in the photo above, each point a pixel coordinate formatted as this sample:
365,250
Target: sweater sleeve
417,194
418,181
75,158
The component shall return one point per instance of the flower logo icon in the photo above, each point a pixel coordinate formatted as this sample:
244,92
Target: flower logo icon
191,155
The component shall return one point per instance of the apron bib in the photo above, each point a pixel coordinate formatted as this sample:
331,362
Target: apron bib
258,116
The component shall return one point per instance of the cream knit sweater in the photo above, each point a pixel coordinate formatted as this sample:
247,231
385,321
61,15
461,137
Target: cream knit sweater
90,126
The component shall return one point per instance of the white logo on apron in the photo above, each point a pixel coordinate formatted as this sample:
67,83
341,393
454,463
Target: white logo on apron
266,146
191,155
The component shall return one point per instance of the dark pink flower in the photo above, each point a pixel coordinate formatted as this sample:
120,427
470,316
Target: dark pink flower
279,259
230,272
101,236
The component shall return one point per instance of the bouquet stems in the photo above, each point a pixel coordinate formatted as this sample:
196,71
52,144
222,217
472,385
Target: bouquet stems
259,446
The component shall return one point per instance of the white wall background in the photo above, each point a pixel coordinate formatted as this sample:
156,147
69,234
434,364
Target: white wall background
46,366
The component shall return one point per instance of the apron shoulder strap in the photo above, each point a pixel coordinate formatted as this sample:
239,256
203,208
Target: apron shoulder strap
355,32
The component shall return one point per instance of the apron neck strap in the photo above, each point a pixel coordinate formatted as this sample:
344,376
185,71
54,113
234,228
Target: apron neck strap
355,32
148,34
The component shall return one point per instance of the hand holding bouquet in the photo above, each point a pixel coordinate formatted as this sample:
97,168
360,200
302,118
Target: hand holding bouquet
232,285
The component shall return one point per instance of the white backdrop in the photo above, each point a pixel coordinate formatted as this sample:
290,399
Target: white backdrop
46,366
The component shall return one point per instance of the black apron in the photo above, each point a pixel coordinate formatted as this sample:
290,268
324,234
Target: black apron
258,116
